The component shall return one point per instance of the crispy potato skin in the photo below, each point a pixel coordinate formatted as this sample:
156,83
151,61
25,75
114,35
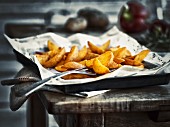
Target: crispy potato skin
73,65
76,76
42,58
141,55
94,48
99,59
99,68
81,54
54,60
51,46
105,46
72,55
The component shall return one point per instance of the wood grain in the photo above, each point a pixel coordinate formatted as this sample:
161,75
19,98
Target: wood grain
135,107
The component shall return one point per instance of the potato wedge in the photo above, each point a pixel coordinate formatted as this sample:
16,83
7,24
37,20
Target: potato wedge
128,53
120,52
113,65
51,45
73,65
83,62
128,61
89,63
60,68
137,63
62,61
99,68
72,55
105,46
54,60
91,55
106,58
140,56
119,60
94,48
76,76
81,54
52,53
42,58
113,49
132,62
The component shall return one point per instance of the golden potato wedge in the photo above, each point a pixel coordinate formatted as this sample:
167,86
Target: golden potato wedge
132,62
54,60
131,57
72,55
140,56
73,65
60,68
120,52
42,58
83,62
52,53
105,46
128,53
51,45
113,49
81,54
91,55
113,65
76,76
137,63
128,61
99,68
94,48
61,62
118,60
88,50
89,63
106,58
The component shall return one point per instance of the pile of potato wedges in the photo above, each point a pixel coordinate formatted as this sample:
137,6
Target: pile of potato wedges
101,59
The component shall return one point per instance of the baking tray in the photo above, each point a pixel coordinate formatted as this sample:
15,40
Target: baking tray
103,84
117,83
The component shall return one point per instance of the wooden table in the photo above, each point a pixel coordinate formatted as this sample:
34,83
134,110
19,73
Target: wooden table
137,107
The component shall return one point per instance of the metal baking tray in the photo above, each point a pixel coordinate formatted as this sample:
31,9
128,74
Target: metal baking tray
103,84
118,83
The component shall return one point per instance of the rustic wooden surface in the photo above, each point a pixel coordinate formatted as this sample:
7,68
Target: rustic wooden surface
137,107
118,100
128,119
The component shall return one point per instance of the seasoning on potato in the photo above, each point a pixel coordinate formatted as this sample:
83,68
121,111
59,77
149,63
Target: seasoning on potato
99,58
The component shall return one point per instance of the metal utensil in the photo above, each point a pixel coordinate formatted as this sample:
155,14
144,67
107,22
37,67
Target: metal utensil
19,80
26,91
158,69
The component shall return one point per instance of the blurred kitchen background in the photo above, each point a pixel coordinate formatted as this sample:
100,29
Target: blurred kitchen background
23,18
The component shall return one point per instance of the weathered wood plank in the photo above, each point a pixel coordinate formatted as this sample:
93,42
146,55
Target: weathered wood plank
120,100
80,120
130,119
